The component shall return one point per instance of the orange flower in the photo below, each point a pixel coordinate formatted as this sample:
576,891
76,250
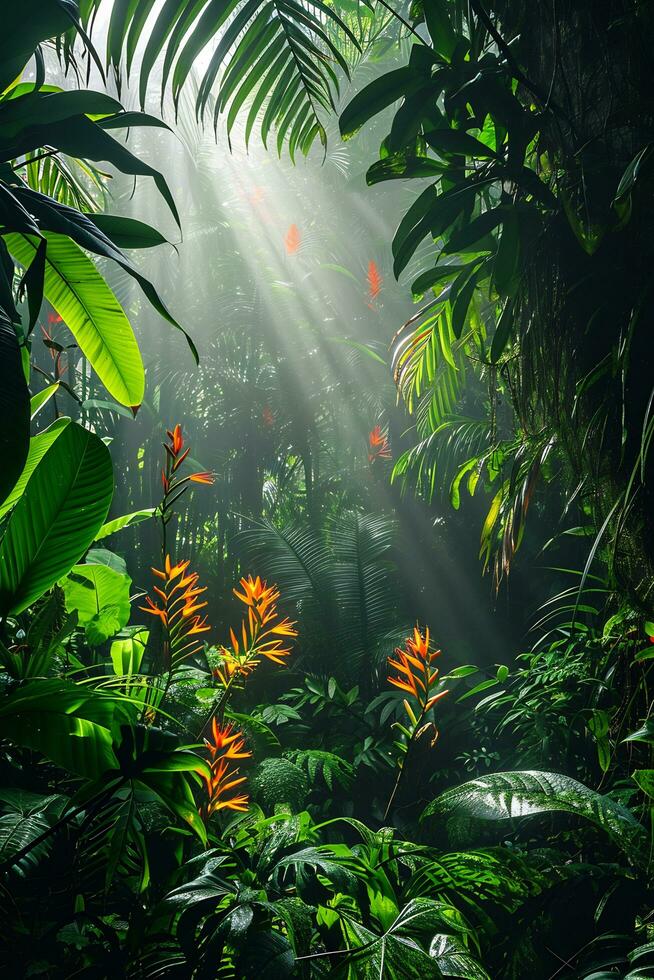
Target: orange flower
292,240
262,632
227,743
173,487
176,439
415,673
178,611
229,739
374,282
379,447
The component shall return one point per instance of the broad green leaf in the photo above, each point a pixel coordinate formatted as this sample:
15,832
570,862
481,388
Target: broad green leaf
127,520
502,333
69,724
80,295
42,398
127,232
511,795
376,96
22,30
454,958
644,734
457,142
127,654
440,28
14,409
64,504
39,446
100,596
645,780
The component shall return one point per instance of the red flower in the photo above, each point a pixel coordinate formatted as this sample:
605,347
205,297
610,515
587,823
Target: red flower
378,444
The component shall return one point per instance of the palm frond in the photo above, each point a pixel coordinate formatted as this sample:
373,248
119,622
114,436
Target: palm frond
279,59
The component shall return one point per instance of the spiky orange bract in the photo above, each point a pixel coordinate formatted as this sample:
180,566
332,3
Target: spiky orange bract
375,280
226,743
415,673
292,239
178,607
175,456
378,445
262,632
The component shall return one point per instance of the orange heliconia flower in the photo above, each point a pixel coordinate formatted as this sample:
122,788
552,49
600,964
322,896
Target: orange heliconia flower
262,633
54,318
292,240
375,281
378,445
176,439
261,601
173,485
226,743
416,675
267,417
179,610
226,738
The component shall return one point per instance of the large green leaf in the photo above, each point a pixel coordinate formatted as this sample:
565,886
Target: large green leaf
24,25
56,519
509,795
454,959
395,953
69,724
14,409
100,596
376,96
90,310
41,398
127,232
38,447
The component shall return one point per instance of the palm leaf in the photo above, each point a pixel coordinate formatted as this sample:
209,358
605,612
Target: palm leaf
282,58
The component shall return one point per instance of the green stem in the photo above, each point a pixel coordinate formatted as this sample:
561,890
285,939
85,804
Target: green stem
415,730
